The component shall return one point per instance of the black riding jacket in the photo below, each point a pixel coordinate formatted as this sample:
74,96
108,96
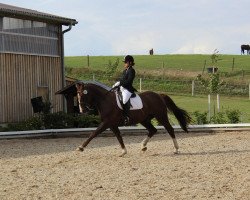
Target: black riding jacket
127,79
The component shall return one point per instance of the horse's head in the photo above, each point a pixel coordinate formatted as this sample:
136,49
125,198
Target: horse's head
82,96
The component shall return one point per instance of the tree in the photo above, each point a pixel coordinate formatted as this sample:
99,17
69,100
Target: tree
212,86
215,57
111,68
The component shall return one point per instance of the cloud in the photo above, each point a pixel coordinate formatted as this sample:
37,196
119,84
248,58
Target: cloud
191,48
115,27
205,44
133,43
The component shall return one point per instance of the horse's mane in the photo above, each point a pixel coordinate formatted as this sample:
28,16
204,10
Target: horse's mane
95,83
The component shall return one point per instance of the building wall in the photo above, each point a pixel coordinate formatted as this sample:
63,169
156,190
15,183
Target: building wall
23,77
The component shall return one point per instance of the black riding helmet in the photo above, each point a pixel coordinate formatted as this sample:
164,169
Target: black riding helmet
129,58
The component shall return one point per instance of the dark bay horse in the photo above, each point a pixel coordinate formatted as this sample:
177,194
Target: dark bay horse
151,52
94,94
245,47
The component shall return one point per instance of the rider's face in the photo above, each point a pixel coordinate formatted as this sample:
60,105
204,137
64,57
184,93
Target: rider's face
126,65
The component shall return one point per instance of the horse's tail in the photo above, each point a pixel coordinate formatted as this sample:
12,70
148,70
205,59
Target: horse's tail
181,115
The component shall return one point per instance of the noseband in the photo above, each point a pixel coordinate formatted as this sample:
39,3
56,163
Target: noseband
82,103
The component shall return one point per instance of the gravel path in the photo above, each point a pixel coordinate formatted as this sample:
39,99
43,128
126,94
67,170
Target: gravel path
210,166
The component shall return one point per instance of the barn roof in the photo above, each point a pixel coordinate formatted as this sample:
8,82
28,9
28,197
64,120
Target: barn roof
71,88
23,13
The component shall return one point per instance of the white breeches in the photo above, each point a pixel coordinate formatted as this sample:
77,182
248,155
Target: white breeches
125,95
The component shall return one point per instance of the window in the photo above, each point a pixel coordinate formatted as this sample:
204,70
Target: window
43,91
25,36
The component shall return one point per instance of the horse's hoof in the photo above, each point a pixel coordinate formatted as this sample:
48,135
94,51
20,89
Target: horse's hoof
177,152
144,149
79,149
123,154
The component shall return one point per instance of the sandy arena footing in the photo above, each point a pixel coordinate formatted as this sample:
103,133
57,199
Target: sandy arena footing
210,166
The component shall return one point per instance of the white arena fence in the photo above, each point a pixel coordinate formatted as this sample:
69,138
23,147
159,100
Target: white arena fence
131,130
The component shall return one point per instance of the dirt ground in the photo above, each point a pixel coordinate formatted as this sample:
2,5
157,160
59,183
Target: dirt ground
210,166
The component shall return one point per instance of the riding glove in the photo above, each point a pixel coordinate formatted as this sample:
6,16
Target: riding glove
116,84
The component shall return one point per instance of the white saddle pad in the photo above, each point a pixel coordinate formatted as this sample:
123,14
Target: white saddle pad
136,102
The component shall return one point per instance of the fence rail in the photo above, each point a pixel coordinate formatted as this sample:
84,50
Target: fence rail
131,130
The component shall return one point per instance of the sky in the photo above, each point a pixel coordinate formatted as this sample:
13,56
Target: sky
119,27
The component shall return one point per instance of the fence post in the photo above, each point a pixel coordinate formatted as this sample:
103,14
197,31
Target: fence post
218,102
163,70
209,107
249,90
93,77
140,84
205,62
88,60
192,87
233,64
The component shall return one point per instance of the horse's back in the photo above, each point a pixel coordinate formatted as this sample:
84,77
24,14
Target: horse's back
149,93
152,98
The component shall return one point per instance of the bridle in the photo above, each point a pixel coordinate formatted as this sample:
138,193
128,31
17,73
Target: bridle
83,105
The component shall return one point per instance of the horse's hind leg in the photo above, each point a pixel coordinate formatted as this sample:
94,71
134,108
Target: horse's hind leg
117,133
151,131
165,122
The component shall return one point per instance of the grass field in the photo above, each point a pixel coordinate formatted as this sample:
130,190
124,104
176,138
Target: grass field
180,67
178,62
200,103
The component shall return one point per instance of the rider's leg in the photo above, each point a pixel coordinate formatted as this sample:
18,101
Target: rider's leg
125,97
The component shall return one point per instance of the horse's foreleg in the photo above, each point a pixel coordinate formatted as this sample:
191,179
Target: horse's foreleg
102,127
144,144
176,146
117,133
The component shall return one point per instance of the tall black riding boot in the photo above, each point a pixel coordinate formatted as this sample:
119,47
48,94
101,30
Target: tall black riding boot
125,112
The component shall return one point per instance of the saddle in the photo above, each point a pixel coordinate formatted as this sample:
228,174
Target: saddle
135,101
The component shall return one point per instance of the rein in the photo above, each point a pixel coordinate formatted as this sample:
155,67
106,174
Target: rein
112,90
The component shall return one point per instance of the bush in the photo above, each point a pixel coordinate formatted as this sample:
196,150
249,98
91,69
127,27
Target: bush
63,120
229,116
200,118
57,120
47,106
85,121
219,118
33,123
3,129
233,116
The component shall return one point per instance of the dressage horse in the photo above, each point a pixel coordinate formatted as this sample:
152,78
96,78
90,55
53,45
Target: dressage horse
94,94
245,47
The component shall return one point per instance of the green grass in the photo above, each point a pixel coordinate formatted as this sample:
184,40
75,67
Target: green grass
188,65
177,62
200,103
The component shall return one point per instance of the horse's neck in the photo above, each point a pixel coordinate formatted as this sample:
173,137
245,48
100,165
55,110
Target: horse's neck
99,94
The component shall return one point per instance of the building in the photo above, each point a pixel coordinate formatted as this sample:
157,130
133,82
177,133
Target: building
31,60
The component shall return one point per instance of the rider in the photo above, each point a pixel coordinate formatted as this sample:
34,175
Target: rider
125,84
